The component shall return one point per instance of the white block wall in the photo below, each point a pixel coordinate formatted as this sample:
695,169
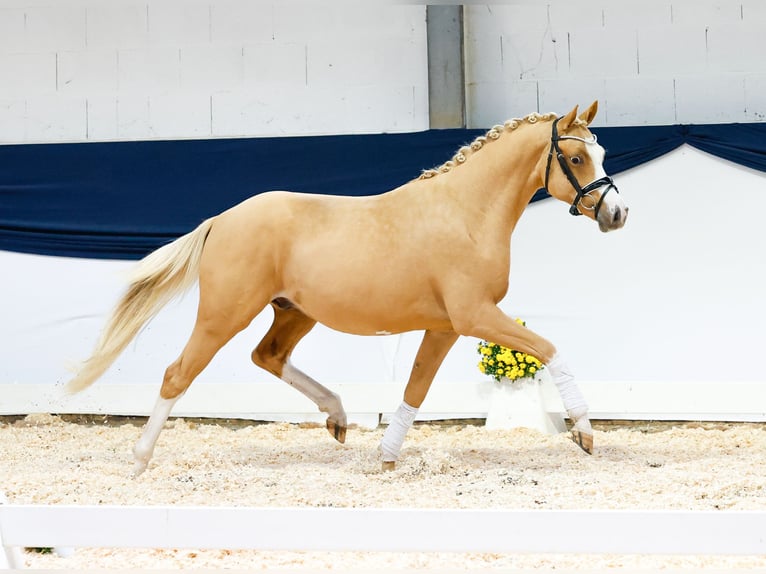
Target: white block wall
94,70
82,70
648,63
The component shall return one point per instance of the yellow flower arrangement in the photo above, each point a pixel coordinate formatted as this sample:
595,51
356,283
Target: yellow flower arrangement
500,362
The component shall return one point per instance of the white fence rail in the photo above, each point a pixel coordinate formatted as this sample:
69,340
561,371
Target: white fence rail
387,530
378,530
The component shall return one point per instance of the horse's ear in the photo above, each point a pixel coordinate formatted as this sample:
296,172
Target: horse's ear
588,115
567,120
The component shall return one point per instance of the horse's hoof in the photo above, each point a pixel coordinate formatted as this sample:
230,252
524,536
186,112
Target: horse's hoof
138,468
583,440
388,465
337,431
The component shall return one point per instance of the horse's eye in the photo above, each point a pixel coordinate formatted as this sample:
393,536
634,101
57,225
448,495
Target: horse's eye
576,160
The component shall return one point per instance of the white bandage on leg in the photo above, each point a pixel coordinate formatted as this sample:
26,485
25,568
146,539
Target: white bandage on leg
393,438
571,396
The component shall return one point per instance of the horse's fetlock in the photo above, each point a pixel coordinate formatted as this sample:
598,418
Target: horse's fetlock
331,404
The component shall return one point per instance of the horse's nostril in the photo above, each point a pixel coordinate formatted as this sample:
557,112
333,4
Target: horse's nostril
617,215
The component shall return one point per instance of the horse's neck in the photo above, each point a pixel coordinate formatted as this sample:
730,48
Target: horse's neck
497,183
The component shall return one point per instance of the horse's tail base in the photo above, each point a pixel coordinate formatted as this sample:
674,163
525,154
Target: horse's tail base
158,277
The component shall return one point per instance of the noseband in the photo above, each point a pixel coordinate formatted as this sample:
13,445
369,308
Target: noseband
581,191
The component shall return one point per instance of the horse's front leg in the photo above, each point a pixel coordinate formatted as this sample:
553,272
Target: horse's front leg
488,322
433,349
574,402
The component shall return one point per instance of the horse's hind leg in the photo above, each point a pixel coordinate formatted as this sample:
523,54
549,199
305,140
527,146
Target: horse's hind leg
208,336
144,447
433,349
273,354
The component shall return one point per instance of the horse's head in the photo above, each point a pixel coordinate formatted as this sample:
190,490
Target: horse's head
574,171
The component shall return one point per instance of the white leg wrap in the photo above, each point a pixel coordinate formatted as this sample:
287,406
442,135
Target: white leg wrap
393,438
571,396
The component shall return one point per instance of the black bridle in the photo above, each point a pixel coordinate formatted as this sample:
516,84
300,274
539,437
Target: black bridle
581,191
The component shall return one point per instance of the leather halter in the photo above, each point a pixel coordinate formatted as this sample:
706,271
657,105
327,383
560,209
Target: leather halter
581,191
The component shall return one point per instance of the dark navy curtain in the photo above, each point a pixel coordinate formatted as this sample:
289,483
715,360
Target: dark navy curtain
121,200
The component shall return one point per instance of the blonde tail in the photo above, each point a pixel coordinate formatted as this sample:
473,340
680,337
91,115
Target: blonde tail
160,276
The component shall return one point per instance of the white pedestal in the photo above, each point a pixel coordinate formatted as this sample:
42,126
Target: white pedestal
522,404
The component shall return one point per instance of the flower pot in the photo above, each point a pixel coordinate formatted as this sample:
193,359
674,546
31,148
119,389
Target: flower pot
521,403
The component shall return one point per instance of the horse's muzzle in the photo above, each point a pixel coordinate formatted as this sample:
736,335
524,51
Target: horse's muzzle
613,217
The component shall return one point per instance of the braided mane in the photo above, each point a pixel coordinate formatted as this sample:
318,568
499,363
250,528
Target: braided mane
494,133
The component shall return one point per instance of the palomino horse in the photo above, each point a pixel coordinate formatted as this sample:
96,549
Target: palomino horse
316,258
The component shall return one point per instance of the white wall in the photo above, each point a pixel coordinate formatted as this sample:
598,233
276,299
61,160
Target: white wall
93,70
654,62
83,70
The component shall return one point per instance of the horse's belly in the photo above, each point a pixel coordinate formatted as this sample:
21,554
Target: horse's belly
367,316
360,325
